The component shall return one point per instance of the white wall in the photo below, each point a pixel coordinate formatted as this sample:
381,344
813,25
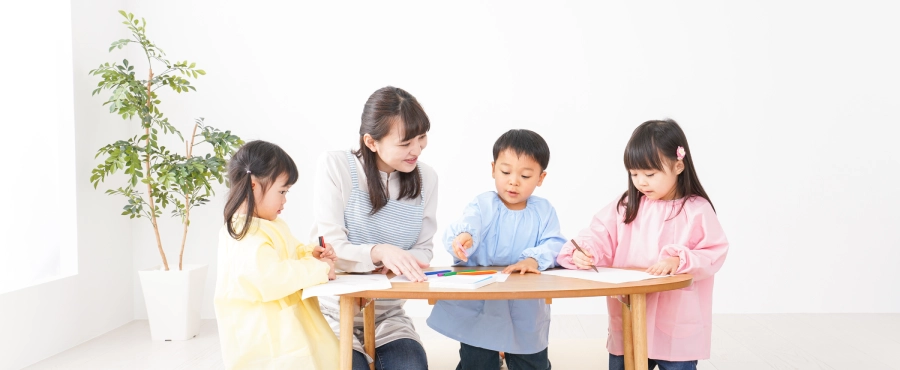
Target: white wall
790,110
42,320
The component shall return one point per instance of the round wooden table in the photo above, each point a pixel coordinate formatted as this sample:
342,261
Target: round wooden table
528,286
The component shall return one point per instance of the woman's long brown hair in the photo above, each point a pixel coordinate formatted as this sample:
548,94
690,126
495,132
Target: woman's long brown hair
385,108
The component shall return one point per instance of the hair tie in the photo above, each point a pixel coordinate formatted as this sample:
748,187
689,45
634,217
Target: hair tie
248,171
678,153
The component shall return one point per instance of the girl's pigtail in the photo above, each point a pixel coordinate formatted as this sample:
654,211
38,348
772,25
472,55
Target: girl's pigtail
241,192
251,208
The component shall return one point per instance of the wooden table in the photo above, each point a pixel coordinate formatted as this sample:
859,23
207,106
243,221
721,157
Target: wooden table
528,286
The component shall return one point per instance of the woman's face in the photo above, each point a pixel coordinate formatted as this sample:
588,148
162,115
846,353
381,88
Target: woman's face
394,154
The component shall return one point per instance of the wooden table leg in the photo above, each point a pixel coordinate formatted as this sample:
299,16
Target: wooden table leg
627,339
346,348
369,331
639,330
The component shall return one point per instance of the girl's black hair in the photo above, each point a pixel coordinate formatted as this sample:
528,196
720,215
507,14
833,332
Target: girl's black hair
260,159
385,107
654,144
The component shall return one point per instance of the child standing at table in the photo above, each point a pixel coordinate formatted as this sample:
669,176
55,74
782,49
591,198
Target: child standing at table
506,227
263,322
666,221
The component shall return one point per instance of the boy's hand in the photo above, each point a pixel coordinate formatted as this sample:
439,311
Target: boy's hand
326,252
665,267
527,265
583,261
460,244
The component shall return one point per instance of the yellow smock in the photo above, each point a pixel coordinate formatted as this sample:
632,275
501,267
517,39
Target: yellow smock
263,323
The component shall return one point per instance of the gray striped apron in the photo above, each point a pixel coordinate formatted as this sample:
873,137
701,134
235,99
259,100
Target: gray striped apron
397,224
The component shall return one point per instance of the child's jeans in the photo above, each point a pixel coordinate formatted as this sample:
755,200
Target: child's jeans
475,358
618,363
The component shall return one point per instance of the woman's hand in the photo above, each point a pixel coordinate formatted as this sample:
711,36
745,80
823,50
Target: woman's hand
460,244
527,265
665,267
399,261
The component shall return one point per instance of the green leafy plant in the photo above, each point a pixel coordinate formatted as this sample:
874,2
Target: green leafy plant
171,180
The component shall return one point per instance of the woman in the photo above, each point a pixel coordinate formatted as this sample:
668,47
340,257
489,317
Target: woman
376,206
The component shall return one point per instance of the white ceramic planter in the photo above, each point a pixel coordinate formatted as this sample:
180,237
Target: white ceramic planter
173,300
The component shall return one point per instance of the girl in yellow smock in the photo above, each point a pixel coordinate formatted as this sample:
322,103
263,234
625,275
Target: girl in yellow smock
262,269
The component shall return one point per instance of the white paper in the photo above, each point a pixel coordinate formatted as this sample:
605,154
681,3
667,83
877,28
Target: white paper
465,281
400,279
348,284
605,275
403,279
499,277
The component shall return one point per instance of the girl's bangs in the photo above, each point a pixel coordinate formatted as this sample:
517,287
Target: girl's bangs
641,154
286,166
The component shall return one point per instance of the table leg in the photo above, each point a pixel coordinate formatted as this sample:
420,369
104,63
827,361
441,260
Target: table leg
639,330
627,339
346,347
369,331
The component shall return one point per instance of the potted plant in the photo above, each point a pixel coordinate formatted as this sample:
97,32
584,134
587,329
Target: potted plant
159,178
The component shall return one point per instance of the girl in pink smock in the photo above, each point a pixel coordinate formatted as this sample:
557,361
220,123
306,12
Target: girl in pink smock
666,223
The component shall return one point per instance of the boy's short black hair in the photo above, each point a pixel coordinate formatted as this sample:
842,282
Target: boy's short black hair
524,142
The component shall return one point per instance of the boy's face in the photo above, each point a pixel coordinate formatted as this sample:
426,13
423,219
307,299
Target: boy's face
516,176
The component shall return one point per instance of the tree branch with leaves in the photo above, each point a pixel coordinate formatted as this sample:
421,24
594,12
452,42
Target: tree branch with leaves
171,180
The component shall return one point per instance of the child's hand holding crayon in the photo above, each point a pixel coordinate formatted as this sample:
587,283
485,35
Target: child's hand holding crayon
331,273
460,244
325,253
324,250
583,261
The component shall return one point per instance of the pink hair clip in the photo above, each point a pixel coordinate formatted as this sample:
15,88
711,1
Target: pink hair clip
680,153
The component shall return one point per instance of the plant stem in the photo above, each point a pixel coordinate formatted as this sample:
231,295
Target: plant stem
187,200
162,253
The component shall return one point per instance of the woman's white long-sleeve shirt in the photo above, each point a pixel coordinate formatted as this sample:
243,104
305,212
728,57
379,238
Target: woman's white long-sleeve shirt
332,190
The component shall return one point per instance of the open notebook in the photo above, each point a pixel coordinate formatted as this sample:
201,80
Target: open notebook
463,281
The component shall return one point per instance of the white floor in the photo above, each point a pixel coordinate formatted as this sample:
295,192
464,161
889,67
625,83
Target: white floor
751,342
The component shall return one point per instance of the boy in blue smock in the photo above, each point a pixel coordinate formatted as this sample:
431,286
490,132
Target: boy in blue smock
509,227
